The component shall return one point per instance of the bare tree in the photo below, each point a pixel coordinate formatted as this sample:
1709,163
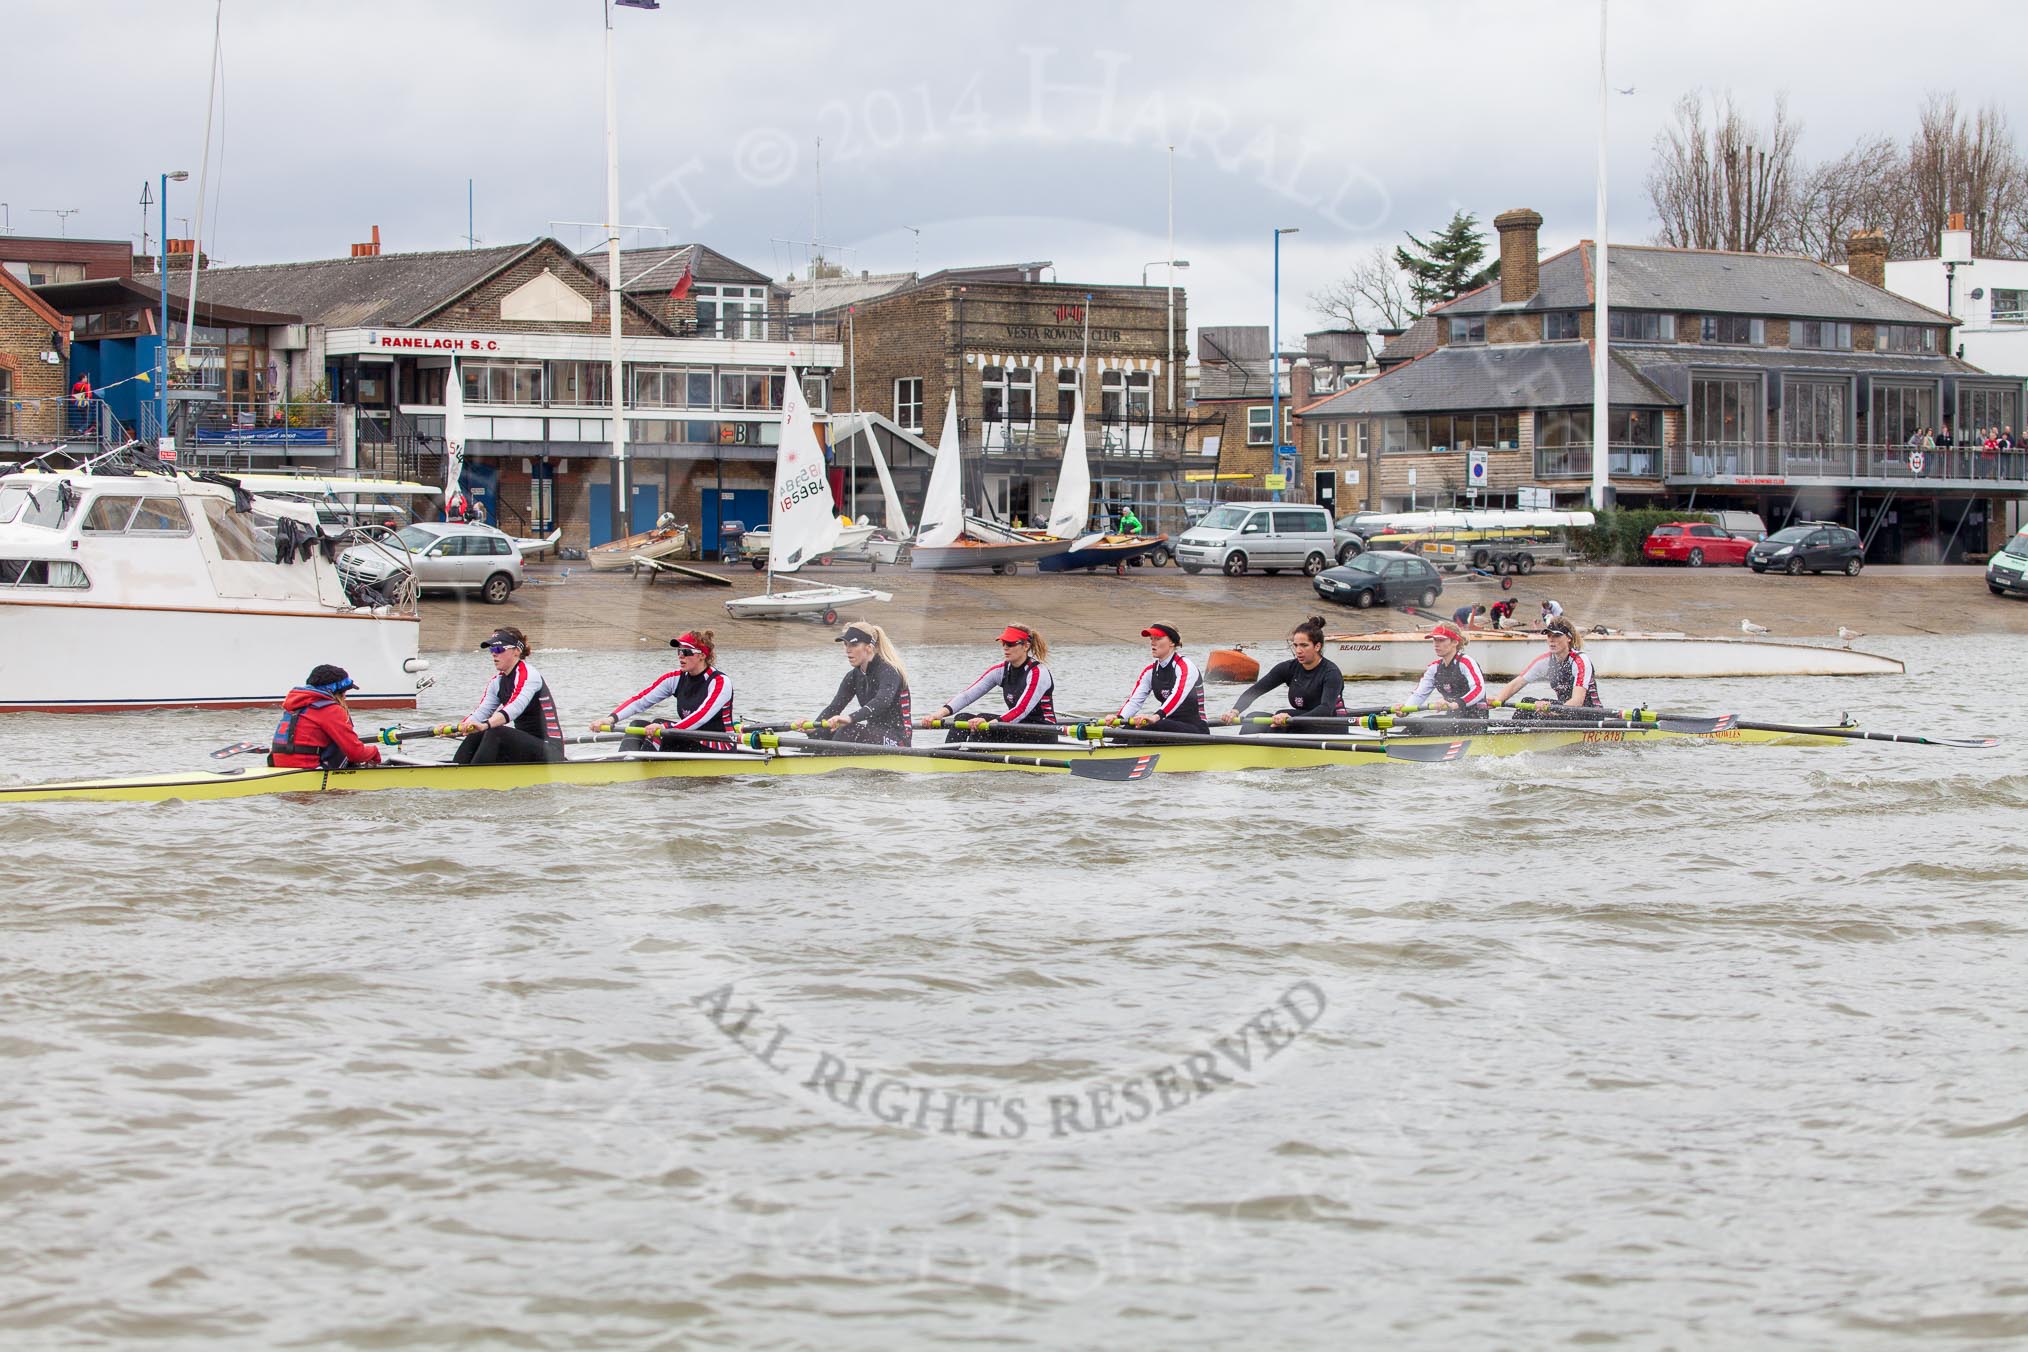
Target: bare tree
1860,190
1959,163
1726,185
1374,294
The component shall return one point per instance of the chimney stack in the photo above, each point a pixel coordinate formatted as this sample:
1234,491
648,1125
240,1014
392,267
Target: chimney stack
1520,254
1866,256
370,249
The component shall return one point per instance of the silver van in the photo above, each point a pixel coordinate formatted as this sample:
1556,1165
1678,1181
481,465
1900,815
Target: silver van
1268,536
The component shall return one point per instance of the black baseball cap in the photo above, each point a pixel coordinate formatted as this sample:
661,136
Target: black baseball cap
853,634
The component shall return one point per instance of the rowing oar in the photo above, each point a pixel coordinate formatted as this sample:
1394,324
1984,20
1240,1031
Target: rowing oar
1426,752
386,737
1113,771
1855,735
1565,715
1321,723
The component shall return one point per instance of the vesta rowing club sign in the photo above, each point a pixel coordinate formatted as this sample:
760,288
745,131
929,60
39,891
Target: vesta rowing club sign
380,341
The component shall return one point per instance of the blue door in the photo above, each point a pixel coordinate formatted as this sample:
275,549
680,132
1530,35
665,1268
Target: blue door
646,507
481,483
718,506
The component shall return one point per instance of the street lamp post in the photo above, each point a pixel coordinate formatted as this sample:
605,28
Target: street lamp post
1275,357
162,347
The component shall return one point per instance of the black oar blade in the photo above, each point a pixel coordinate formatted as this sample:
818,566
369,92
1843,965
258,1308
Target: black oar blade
1115,771
1430,753
1698,726
238,749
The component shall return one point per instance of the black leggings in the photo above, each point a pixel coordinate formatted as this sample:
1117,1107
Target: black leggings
505,746
1177,723
673,744
865,733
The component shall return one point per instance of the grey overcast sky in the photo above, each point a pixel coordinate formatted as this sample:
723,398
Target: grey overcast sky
1005,133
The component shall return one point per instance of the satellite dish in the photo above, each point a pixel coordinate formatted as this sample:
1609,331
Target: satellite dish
1978,293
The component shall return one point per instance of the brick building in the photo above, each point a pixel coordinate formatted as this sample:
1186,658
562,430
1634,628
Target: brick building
34,366
1235,407
1010,346
528,326
1764,382
39,260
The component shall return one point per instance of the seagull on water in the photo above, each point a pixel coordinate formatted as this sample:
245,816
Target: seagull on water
1749,627
1846,636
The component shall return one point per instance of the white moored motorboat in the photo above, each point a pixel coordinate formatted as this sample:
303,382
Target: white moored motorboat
805,526
1393,656
150,589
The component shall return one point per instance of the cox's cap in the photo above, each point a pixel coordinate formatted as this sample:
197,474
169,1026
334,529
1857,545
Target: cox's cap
1012,635
1449,631
1167,631
500,636
853,634
333,680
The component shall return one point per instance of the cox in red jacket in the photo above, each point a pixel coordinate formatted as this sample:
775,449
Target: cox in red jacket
316,733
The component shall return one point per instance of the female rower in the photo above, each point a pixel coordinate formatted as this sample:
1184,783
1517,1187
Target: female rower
1024,682
516,722
1174,682
1316,688
880,684
1564,669
1453,682
703,696
315,732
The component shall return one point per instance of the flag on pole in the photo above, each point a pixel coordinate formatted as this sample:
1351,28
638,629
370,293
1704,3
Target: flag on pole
640,4
683,283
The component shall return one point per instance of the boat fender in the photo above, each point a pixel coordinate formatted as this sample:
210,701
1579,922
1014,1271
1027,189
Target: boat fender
1232,666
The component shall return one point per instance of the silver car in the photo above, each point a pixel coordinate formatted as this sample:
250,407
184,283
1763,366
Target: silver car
444,556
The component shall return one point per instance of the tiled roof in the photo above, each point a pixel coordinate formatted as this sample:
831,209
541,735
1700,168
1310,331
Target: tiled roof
1411,342
37,306
654,271
1670,366
1645,277
385,290
1495,376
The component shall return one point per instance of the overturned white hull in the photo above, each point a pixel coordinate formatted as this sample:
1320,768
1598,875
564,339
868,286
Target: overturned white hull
823,603
1392,656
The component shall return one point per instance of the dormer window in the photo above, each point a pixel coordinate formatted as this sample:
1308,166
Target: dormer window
1641,326
1820,335
1559,326
1737,330
1905,338
1466,329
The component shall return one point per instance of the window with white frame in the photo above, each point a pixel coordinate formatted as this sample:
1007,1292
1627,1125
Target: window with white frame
502,382
1365,447
2010,305
732,312
1259,425
1112,398
6,402
1066,399
908,403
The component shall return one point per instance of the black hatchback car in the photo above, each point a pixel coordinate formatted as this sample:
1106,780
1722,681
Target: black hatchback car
1810,546
1386,577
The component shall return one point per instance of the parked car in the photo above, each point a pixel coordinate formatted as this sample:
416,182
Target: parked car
445,556
1818,546
1695,543
1747,525
1381,577
2007,571
1269,536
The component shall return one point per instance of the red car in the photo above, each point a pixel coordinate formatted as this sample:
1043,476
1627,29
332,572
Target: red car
1695,543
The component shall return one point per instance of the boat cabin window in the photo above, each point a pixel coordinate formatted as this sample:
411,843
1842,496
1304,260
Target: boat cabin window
32,505
108,515
242,537
159,516
41,573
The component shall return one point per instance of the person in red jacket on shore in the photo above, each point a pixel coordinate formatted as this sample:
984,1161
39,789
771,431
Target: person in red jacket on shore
315,732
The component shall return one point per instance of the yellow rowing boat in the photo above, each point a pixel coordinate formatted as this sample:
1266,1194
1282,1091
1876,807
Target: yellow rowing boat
1223,754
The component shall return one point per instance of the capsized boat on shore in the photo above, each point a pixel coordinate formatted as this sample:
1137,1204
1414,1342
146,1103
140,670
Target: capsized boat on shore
1501,653
1221,754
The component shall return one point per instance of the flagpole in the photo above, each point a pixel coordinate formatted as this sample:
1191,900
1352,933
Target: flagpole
622,498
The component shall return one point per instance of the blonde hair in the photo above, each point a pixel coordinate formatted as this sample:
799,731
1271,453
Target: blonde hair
1563,626
1037,647
882,649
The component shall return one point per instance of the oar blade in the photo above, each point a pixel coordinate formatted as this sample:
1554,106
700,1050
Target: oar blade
1430,753
238,749
1969,743
1697,726
1115,771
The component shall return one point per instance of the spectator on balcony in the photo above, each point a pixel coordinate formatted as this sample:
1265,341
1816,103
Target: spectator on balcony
2007,442
1944,439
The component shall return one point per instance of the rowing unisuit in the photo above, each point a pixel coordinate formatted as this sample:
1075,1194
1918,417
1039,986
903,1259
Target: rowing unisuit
878,684
1566,676
1024,682
516,722
1318,690
703,696
1453,680
1173,682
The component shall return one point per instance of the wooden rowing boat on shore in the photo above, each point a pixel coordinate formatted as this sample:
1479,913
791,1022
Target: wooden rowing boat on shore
1224,753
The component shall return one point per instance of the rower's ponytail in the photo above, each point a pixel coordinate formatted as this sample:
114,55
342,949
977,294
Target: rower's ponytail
1038,647
882,647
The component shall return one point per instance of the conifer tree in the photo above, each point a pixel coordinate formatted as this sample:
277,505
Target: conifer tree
1447,265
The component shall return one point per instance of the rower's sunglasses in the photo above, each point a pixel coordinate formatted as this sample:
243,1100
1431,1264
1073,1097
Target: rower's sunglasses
1012,642
497,648
687,651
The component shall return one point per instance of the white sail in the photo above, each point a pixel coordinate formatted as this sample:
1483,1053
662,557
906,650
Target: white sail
454,433
1072,508
897,520
805,521
943,506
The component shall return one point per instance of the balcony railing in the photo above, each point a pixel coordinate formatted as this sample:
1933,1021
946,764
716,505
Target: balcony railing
1899,464
1155,437
1574,462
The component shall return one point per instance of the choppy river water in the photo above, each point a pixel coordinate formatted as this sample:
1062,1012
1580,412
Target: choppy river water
1649,1046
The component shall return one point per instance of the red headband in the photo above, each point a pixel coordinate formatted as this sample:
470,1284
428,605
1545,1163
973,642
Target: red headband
691,640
